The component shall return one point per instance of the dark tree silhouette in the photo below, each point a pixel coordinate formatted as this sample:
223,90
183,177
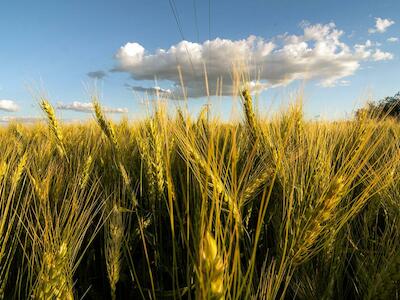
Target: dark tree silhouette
386,107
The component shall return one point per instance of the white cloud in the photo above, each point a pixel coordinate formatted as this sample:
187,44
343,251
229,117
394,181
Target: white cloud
88,107
8,105
317,54
393,39
380,55
344,83
150,90
7,119
381,25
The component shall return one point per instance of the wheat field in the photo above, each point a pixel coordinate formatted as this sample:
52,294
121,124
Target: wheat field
177,207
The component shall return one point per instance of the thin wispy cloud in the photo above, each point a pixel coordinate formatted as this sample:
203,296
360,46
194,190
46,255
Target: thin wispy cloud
150,90
97,74
393,39
8,105
381,25
8,119
344,83
87,107
318,53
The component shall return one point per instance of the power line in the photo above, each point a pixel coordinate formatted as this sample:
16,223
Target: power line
178,23
209,20
209,29
195,20
176,16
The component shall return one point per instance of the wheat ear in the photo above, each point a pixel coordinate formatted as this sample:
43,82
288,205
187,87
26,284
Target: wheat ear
316,226
113,248
157,163
216,182
19,170
104,124
3,170
213,267
255,184
250,115
54,126
54,282
86,172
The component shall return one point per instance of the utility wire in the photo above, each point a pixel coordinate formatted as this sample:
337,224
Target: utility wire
209,20
175,13
195,21
176,16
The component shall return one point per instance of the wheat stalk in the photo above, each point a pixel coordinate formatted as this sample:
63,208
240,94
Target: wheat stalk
41,188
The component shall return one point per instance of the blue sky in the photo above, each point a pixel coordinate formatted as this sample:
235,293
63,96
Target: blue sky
53,45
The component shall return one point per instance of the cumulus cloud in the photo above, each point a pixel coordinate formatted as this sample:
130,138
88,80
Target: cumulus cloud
8,105
381,55
318,54
97,74
381,25
393,39
88,107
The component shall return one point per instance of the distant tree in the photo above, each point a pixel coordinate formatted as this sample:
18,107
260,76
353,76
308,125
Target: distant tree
386,107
